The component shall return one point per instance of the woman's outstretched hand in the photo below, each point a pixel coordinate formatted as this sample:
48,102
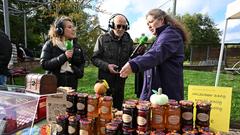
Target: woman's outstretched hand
126,70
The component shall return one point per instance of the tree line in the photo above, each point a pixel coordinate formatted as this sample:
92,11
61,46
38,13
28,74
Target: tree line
41,13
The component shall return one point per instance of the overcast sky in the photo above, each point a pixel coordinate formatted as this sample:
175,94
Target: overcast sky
135,11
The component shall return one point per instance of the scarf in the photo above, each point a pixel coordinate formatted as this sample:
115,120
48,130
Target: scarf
66,67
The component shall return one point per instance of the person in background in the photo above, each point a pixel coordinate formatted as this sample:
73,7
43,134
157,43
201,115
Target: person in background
112,50
14,59
66,63
163,62
5,56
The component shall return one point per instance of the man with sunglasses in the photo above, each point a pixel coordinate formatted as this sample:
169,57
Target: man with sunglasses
112,50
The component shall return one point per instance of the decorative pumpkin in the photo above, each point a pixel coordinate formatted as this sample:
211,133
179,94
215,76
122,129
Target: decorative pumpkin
158,98
101,87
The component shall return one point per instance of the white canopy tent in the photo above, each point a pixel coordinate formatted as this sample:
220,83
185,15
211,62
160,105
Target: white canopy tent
233,12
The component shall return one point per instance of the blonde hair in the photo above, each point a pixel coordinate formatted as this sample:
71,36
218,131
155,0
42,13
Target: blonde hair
52,33
160,14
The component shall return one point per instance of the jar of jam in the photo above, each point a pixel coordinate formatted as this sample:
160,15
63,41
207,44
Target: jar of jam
92,106
85,127
101,128
173,117
111,129
117,121
158,116
186,115
157,132
203,113
73,127
82,104
62,124
128,131
143,117
129,116
105,107
71,103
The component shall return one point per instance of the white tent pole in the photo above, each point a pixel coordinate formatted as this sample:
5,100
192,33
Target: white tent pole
221,54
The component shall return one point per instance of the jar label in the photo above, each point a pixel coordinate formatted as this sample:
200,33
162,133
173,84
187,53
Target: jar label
141,121
91,108
174,119
104,109
158,119
202,116
80,106
102,130
126,118
187,115
83,132
71,130
69,104
59,128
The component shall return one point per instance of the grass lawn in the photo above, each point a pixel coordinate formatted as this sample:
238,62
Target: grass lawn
190,78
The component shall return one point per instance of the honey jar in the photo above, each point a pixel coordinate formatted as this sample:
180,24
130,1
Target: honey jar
85,127
92,106
173,117
158,117
105,107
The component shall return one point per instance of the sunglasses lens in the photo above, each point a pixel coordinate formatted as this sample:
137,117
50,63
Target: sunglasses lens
121,26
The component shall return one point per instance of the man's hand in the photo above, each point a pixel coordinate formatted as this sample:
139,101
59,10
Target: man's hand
111,68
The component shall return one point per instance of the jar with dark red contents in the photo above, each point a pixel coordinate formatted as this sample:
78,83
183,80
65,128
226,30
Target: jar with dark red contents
186,115
203,113
157,132
73,126
158,117
82,105
118,121
143,117
92,106
129,116
71,103
62,124
128,131
85,127
105,107
173,116
111,129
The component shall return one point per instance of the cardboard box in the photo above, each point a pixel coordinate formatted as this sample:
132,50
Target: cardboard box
57,104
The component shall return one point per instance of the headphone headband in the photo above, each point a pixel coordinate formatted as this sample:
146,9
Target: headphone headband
111,23
59,25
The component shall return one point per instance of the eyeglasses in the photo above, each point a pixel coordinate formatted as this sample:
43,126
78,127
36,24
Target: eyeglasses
121,26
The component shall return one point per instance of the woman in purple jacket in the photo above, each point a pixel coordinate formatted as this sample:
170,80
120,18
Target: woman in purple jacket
163,62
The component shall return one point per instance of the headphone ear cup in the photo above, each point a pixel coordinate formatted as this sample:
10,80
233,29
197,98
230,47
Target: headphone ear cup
59,31
111,25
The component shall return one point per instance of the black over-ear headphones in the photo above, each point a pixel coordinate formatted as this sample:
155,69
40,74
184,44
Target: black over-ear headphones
111,21
59,25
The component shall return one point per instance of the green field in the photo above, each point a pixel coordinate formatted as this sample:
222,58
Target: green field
190,78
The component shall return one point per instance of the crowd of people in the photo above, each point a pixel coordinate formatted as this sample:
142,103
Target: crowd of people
160,65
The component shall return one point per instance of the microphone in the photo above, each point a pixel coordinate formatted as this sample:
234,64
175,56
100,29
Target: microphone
141,42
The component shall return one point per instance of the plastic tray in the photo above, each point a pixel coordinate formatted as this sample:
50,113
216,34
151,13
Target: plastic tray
17,111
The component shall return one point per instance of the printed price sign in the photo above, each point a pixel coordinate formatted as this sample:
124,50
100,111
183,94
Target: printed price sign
220,98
